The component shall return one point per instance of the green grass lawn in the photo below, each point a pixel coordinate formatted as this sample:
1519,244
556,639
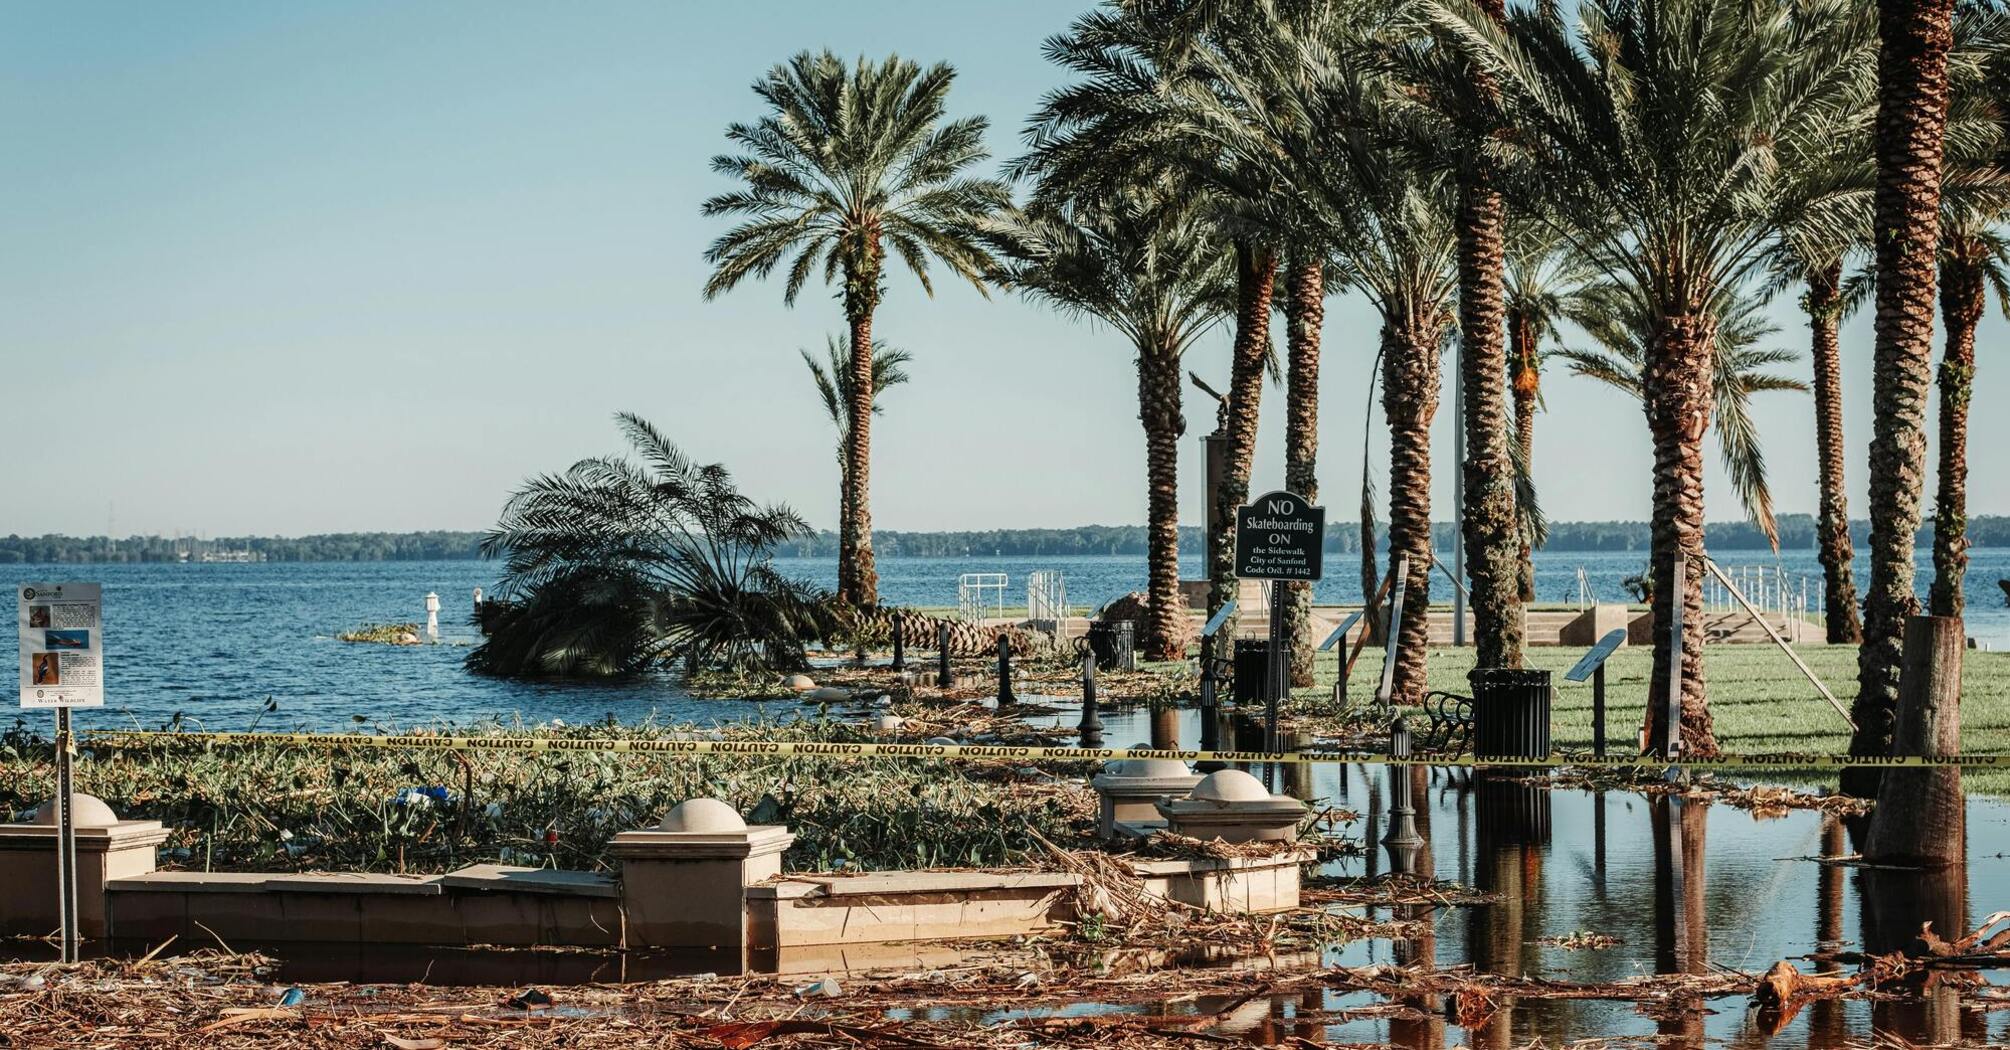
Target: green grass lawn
1759,701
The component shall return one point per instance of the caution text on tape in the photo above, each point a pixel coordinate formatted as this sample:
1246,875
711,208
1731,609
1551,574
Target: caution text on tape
989,752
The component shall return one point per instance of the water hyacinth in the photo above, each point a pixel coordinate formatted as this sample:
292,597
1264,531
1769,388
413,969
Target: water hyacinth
269,807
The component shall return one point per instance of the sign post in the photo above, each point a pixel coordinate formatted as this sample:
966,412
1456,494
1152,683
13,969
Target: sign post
1279,538
1337,641
63,666
1592,665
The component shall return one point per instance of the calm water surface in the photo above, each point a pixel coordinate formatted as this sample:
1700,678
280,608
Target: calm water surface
212,642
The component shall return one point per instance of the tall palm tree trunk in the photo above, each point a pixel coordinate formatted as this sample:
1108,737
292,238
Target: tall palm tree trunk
1492,532
844,493
1255,281
1962,298
1159,410
1370,576
858,581
1914,37
1410,380
1525,380
1676,385
1832,539
1304,312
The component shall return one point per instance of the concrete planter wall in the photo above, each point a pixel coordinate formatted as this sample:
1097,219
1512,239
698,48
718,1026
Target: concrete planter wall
695,881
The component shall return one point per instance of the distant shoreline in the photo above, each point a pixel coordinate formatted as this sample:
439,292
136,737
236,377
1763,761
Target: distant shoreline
1343,537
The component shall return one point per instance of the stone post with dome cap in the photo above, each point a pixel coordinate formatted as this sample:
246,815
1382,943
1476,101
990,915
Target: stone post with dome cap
107,848
684,882
1131,788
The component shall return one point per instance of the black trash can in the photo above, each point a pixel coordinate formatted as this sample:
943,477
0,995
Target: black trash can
1510,713
1113,645
1252,669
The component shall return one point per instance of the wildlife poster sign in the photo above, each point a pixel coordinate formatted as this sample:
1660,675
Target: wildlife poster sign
1279,537
62,645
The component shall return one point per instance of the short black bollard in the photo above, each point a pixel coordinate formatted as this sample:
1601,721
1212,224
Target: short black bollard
899,641
1402,832
942,679
1210,713
1092,722
1005,697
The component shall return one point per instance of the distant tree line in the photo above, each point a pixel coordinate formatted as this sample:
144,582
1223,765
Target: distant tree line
336,546
1797,532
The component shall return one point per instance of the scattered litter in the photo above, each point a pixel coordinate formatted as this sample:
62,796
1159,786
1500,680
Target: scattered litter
826,989
1581,940
529,999
292,997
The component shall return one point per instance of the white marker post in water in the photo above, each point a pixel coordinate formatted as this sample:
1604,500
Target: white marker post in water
63,666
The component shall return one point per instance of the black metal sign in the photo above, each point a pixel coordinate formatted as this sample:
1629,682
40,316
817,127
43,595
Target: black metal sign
1279,537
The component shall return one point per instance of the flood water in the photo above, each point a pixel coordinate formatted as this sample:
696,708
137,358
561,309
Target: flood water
1682,885
211,643
1686,886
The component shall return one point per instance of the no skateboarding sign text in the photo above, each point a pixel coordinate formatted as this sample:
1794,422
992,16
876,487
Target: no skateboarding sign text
1279,537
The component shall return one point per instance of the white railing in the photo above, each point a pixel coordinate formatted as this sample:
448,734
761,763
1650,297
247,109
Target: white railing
1770,588
1046,596
980,594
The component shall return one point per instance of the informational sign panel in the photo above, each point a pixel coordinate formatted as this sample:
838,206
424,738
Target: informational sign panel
1596,657
1220,617
1279,537
62,645
1340,632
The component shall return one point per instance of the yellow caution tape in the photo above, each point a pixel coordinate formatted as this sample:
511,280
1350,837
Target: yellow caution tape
988,752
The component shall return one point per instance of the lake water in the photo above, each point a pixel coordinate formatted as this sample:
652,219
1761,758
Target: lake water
213,642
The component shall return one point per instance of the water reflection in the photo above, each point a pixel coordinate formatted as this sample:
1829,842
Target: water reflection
1895,904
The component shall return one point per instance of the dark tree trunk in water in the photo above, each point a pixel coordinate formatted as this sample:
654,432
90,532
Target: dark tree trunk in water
1492,535
1920,819
1676,382
1525,380
1832,525
1963,294
1410,380
1304,311
1914,37
858,581
1159,410
1255,279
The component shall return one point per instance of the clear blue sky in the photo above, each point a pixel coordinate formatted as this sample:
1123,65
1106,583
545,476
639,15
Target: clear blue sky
288,268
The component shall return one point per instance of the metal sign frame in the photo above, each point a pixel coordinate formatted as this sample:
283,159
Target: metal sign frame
1592,665
1279,536
62,634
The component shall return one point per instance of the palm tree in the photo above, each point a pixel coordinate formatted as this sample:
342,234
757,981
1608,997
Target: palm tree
1541,282
1974,259
1827,300
849,164
1304,313
832,377
1122,123
615,567
1152,267
1616,319
1913,87
1307,97
1494,540
1673,199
